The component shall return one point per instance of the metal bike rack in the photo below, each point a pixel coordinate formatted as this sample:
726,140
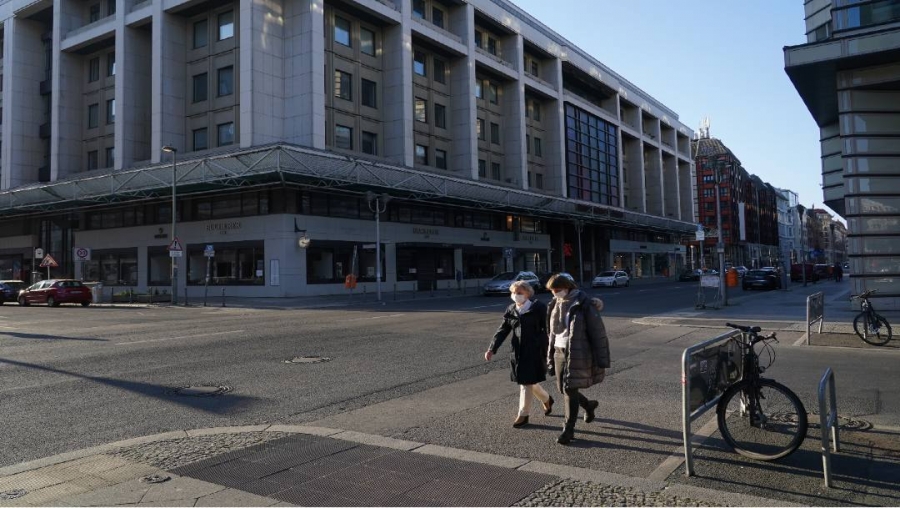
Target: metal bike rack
689,416
828,421
815,311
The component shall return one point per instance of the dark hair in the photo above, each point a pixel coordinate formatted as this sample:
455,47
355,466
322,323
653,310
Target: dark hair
561,281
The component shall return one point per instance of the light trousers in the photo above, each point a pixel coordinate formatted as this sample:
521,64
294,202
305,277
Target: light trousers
525,394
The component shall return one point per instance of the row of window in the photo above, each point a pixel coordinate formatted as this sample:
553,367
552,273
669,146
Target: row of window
93,114
93,158
94,10
224,29
420,113
436,15
342,35
224,136
94,67
438,66
343,89
422,157
224,84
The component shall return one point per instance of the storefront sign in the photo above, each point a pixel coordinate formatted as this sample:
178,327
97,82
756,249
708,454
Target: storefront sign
528,238
426,231
485,237
223,227
160,234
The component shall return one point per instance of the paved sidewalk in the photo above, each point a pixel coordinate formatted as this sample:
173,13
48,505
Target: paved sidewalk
312,466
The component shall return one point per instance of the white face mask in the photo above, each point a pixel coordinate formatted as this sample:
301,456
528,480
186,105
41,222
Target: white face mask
519,299
560,294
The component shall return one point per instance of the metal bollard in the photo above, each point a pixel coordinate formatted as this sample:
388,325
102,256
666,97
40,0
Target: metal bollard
130,295
432,287
395,291
185,297
223,297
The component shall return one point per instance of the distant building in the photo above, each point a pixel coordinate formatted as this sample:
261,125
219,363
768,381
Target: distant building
848,76
788,225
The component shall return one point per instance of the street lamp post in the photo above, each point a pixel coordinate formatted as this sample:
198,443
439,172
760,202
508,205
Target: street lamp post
377,205
801,211
720,245
833,259
579,227
174,152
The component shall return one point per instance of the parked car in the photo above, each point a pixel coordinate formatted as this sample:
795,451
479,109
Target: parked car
690,275
761,279
823,270
56,291
611,278
9,290
741,270
797,272
500,283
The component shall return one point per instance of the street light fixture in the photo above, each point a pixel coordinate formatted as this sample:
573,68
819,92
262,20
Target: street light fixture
174,152
377,205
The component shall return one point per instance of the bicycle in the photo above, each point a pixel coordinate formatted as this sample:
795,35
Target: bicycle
871,327
760,418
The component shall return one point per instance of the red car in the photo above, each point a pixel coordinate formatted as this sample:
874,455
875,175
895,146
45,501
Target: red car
55,292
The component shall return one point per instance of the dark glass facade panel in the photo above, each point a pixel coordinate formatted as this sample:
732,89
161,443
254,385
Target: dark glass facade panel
592,161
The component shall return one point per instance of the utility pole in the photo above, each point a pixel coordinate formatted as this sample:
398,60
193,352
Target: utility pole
720,245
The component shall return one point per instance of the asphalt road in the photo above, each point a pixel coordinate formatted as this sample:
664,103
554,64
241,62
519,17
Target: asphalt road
73,377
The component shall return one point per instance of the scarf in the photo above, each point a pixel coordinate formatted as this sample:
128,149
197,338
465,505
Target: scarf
559,317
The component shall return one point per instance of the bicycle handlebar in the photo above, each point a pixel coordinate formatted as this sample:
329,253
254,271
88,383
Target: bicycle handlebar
745,329
864,294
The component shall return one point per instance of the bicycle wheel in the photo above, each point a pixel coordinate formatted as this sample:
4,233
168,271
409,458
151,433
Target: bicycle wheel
872,328
777,428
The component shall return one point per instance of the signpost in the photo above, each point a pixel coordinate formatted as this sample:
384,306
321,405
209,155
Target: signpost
49,262
210,253
82,255
175,251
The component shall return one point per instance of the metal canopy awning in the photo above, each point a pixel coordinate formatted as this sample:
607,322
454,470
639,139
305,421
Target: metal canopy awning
304,166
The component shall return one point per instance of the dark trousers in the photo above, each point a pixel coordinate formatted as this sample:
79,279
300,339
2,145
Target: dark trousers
572,397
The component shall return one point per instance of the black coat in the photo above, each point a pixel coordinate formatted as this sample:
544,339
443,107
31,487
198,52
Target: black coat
587,356
528,358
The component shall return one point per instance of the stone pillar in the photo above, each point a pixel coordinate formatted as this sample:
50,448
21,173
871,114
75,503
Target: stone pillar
168,84
398,90
67,108
304,70
556,130
462,88
23,151
261,73
133,86
516,158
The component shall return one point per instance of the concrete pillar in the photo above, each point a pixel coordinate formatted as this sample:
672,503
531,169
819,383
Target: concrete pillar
261,72
398,90
514,147
69,117
23,108
133,86
555,158
169,83
390,265
304,51
462,88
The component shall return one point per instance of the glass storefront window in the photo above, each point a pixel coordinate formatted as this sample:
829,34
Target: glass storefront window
480,263
159,267
424,264
11,268
112,267
330,262
235,264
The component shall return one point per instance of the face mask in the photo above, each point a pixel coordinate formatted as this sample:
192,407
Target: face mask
560,294
519,299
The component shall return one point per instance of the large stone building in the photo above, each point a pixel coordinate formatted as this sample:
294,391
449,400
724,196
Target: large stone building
496,143
848,74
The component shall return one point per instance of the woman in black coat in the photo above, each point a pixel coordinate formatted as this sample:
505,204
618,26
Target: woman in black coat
526,318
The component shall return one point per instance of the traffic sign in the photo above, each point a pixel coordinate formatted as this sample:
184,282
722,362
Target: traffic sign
82,254
49,262
175,253
38,253
700,235
175,246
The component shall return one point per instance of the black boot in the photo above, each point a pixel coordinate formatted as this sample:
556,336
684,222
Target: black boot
567,436
589,411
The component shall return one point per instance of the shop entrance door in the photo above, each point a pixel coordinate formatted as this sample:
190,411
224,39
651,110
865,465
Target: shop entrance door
426,270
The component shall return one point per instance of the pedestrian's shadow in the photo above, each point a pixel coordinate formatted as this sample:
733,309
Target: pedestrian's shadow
222,405
38,336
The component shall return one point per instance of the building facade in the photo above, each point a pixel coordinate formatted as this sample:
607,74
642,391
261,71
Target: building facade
788,226
482,140
848,76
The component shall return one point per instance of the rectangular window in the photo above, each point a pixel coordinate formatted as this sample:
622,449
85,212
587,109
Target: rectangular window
440,70
200,87
479,94
495,133
226,81
110,7
479,129
113,267
539,181
419,63
110,156
369,93
92,160
440,159
479,39
370,143
94,13
367,41
342,32
418,9
235,264
201,142
492,45
422,155
440,116
201,33
482,168
343,85
111,64
328,262
94,70
536,111
225,134
534,68
538,149
528,144
110,111
420,110
226,25
93,116
492,93
437,17
495,170
343,137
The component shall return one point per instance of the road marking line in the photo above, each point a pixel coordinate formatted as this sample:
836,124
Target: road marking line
371,317
179,338
674,461
390,315
485,306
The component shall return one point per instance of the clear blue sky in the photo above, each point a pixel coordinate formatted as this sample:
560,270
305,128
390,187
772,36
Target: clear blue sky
718,58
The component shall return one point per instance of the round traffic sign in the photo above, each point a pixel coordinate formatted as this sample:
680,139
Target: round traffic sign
82,252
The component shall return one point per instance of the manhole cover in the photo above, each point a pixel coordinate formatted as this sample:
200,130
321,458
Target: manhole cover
308,359
155,478
12,494
199,391
844,423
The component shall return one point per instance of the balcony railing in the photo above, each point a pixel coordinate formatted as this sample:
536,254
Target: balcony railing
443,31
497,59
140,5
541,81
85,28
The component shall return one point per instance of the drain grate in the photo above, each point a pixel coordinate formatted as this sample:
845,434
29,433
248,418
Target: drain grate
308,359
155,478
199,391
12,494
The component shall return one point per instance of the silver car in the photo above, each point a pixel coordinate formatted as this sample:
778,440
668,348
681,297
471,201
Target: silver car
500,284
